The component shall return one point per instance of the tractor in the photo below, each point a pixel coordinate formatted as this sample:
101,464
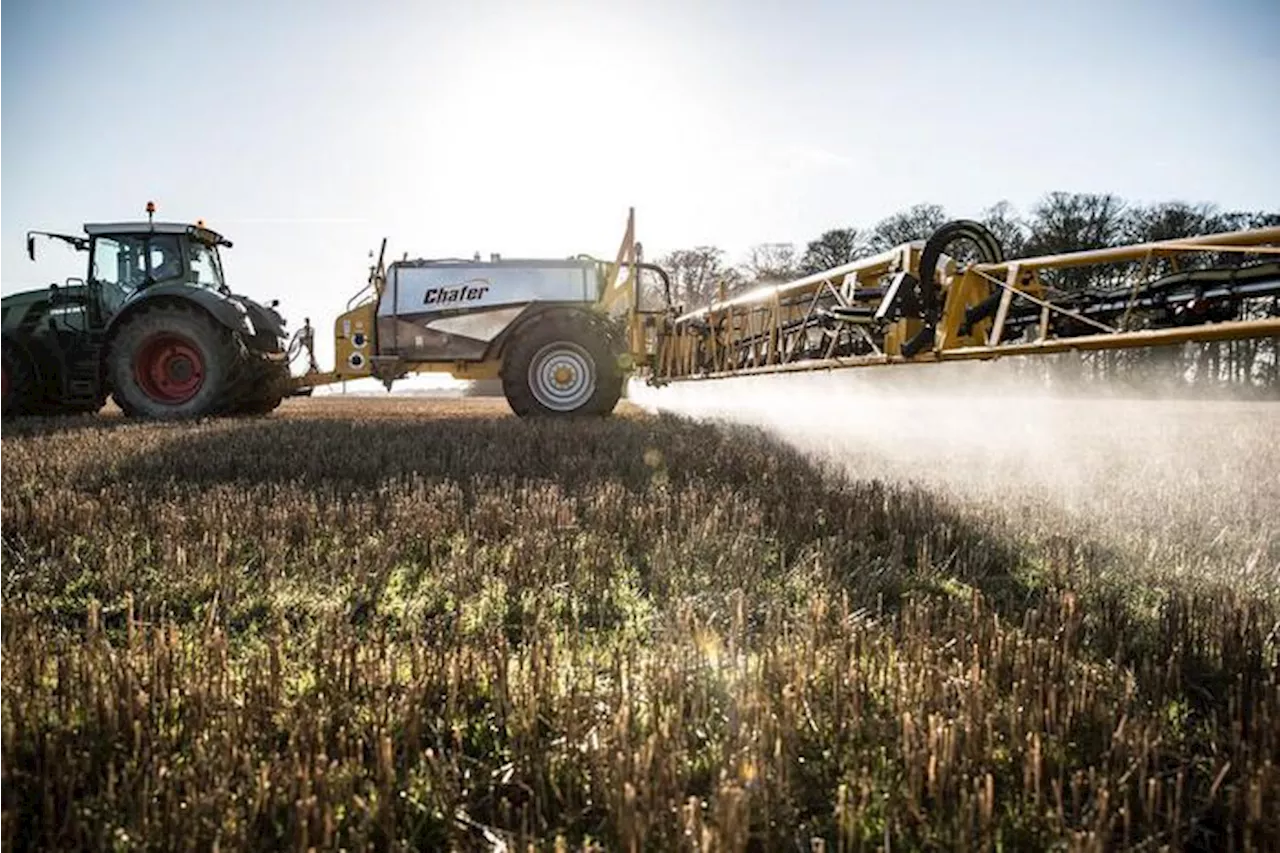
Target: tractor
153,325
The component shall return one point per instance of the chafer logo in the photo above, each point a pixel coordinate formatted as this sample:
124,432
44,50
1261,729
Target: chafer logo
467,291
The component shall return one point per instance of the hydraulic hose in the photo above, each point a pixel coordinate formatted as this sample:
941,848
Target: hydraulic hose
989,251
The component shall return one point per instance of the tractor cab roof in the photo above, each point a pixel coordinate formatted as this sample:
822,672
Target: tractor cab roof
196,232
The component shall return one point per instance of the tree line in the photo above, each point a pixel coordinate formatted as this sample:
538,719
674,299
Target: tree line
1058,222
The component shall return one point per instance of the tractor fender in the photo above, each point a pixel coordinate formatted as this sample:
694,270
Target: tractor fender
267,323
223,310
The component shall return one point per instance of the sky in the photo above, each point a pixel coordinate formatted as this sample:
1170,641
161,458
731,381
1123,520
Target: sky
306,132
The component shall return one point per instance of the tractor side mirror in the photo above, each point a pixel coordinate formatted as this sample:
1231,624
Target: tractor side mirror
31,246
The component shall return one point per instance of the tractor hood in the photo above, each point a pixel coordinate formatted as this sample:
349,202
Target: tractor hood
16,305
25,297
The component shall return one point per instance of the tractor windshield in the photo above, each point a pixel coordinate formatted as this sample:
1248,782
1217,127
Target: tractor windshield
206,266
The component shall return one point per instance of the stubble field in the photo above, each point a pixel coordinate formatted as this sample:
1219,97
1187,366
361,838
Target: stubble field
406,624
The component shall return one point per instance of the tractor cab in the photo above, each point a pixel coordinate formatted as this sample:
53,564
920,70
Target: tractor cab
125,259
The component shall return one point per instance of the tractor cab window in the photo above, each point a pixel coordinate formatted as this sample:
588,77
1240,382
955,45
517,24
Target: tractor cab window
119,268
206,269
165,257
124,264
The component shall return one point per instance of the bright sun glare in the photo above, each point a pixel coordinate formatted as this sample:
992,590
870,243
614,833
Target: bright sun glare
555,130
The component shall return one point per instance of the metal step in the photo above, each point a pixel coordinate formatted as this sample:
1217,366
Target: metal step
81,383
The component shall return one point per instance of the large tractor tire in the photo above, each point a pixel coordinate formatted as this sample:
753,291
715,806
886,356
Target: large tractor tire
172,362
562,363
19,381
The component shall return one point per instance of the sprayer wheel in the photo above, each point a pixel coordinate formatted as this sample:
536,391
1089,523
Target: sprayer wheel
561,363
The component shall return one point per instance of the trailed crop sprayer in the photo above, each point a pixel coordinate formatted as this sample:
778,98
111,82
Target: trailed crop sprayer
154,325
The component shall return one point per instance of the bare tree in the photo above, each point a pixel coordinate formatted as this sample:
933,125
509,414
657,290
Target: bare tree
1003,221
834,248
698,275
1169,220
1241,219
770,263
1073,222
915,223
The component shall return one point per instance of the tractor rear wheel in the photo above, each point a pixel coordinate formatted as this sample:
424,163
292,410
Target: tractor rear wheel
171,362
561,363
17,381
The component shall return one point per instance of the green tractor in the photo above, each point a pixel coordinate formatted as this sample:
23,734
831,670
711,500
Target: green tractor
152,325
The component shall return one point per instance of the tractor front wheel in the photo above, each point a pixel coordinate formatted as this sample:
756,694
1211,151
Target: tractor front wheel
269,385
171,362
561,363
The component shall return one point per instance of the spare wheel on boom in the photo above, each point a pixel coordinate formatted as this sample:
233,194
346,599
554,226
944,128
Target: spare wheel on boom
172,361
562,362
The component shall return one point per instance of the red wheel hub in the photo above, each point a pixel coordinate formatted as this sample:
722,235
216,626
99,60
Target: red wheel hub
169,369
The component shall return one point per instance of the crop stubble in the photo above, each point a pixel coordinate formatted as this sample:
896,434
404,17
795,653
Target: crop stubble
402,623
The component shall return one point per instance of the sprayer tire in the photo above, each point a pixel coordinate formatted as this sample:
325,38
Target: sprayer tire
562,363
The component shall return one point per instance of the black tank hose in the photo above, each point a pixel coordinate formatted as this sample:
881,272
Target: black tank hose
989,251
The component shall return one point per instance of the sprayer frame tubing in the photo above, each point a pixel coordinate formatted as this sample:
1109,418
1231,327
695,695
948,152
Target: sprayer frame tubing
770,307
890,259
880,264
1232,330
